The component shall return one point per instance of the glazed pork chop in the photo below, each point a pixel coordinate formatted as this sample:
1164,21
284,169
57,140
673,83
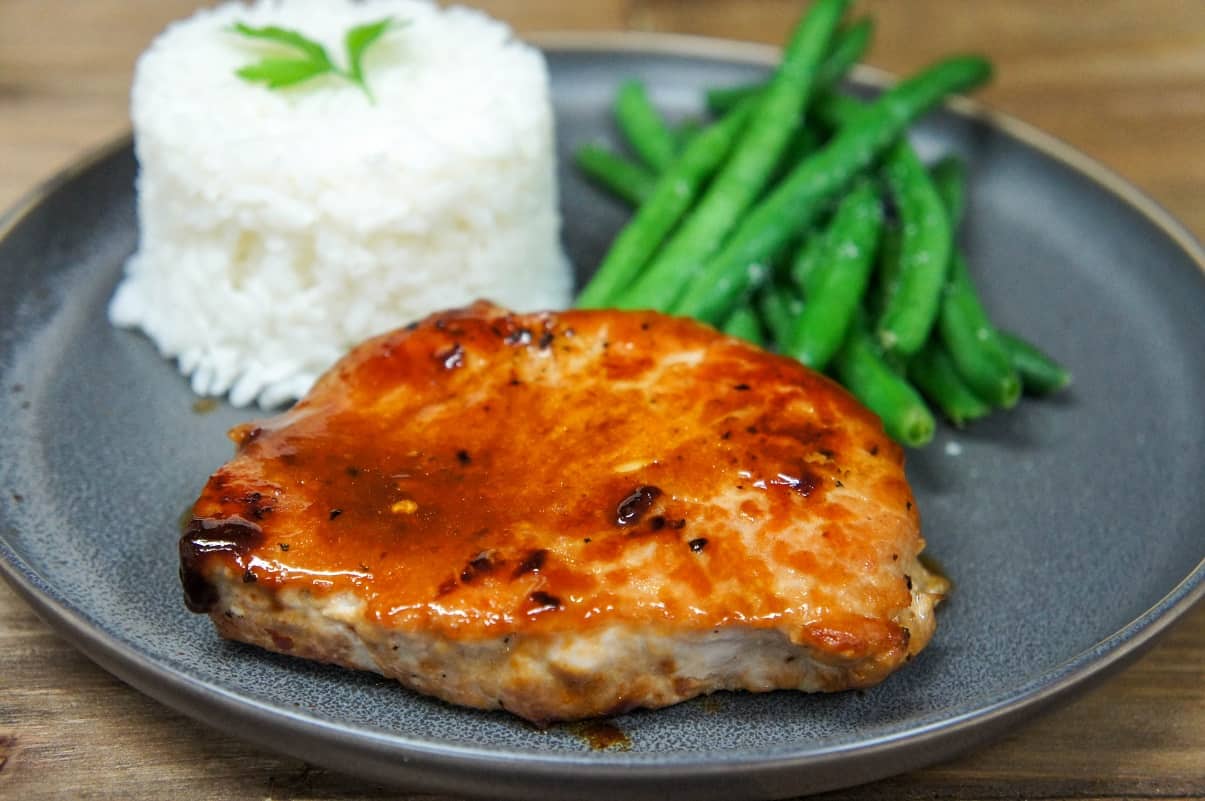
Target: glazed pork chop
566,515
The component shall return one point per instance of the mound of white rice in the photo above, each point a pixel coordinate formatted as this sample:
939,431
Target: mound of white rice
279,228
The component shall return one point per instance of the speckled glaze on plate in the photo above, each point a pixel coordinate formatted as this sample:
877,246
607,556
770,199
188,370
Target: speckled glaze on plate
1074,529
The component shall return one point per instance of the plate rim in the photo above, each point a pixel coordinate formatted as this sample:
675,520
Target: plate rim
433,764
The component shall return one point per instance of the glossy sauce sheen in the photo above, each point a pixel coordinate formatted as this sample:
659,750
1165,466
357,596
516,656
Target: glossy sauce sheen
482,473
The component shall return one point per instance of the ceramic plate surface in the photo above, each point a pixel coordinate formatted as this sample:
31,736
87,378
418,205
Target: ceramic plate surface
1074,528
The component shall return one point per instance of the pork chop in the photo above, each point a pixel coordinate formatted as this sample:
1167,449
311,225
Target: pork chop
567,515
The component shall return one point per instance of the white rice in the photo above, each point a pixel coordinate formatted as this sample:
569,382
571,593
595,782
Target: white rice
279,228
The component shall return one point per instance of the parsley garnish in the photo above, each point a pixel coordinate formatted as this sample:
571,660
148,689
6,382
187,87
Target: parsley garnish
310,59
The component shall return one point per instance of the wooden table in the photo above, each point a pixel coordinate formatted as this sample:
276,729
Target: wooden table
1124,81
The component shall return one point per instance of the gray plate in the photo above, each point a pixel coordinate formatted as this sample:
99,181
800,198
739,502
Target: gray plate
1073,528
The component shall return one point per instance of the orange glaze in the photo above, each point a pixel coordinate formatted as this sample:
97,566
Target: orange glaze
483,472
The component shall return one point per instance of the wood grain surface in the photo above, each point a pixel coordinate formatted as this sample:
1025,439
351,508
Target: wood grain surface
1123,81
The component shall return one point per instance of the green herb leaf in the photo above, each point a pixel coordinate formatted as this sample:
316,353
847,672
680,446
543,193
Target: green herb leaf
358,40
314,60
280,72
315,51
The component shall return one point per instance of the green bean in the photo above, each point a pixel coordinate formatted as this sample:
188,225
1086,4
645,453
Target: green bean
861,370
1040,374
779,306
722,98
804,142
887,271
808,259
925,241
849,44
726,276
748,170
613,172
836,287
672,196
838,110
909,277
744,324
911,280
950,177
808,139
688,130
841,110
973,343
933,372
643,127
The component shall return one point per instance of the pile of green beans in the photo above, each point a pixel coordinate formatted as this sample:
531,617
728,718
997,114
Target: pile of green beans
803,220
